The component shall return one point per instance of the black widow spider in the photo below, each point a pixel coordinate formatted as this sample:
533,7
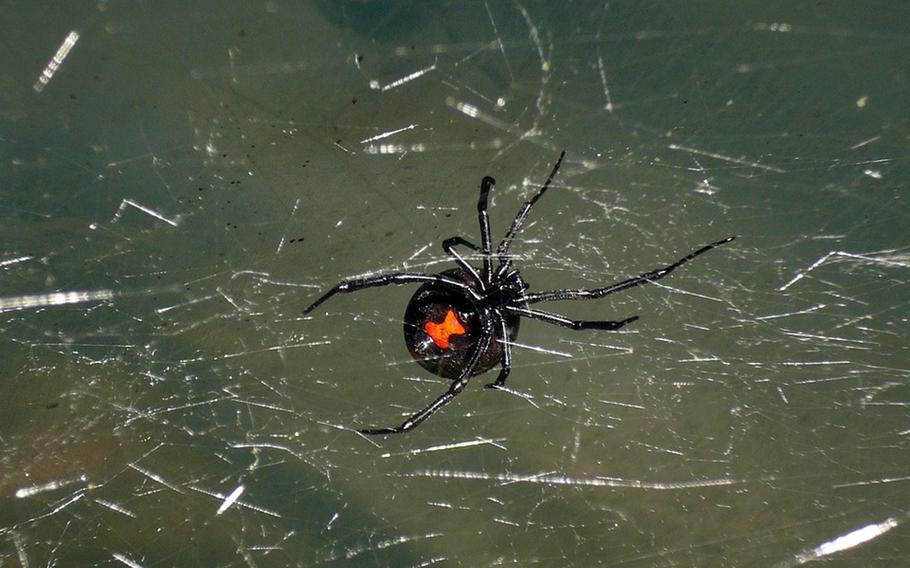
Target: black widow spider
461,322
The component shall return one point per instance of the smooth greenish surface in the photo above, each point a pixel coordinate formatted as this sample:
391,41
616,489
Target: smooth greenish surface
186,179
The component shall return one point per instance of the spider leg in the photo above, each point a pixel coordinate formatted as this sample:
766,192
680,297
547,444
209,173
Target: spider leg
455,389
456,240
651,276
347,286
566,322
502,335
483,218
449,245
502,250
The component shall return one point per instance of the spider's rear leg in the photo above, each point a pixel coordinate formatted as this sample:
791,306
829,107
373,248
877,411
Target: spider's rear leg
415,420
455,389
502,336
557,319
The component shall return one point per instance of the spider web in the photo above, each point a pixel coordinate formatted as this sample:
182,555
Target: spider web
179,183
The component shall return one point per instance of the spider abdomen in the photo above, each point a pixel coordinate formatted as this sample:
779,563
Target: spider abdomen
442,327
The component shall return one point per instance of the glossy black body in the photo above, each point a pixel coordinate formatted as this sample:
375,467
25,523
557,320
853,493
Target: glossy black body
489,302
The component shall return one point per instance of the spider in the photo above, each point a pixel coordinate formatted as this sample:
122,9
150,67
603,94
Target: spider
461,322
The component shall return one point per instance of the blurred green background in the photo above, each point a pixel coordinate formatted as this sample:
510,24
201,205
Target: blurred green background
178,181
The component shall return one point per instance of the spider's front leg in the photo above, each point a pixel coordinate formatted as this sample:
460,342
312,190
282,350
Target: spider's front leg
347,286
449,245
502,251
451,242
652,276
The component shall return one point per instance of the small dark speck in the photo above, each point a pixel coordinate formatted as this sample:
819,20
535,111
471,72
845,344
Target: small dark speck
353,101
242,33
50,405
72,97
389,234
447,214
359,58
224,155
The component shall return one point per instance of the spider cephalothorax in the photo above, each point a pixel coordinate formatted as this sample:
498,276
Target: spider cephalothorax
463,321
